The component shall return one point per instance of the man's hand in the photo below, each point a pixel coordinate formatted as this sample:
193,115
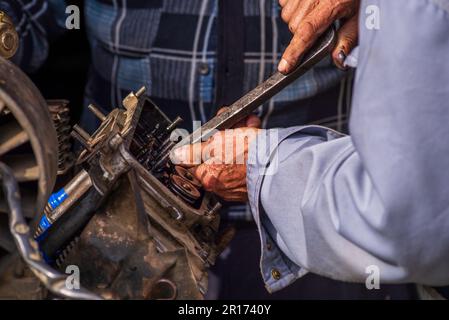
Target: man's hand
220,162
252,121
308,19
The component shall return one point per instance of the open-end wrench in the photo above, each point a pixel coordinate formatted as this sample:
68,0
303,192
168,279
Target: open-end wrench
243,107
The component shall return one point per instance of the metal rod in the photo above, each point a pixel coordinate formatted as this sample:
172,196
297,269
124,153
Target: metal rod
97,112
75,189
243,107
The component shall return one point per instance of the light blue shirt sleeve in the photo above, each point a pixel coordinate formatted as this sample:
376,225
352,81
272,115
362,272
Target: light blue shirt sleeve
339,205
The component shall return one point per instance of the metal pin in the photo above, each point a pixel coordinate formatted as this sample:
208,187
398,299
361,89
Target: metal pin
214,209
140,92
81,136
174,124
97,112
81,132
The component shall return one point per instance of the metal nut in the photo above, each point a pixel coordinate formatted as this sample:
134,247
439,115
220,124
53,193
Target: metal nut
21,228
9,39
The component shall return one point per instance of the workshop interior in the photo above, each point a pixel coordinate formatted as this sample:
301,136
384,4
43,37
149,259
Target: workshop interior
110,202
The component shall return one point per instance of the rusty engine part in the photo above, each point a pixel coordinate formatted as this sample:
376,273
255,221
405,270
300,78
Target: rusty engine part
60,114
28,141
28,166
133,233
9,39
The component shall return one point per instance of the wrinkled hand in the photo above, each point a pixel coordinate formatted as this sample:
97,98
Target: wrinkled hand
220,162
308,19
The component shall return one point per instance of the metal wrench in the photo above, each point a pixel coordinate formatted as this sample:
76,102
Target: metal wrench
243,107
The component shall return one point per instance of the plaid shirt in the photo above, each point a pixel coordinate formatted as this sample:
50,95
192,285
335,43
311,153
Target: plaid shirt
170,46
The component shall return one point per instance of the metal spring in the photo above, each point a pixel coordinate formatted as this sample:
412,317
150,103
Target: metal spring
60,114
66,251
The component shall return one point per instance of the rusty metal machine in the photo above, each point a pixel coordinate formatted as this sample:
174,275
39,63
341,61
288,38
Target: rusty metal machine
135,225
133,232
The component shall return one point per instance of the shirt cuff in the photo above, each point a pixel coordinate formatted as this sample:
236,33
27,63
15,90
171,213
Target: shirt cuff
278,271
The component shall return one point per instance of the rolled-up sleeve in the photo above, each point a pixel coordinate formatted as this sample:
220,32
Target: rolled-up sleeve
339,205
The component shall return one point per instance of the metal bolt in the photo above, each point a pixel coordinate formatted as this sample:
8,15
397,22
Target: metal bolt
174,124
21,228
7,41
140,92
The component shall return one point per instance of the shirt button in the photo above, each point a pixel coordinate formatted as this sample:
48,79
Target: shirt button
275,274
269,246
203,68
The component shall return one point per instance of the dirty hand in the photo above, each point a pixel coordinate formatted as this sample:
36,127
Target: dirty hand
220,162
308,19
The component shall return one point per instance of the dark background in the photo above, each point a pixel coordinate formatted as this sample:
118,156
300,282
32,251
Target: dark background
64,74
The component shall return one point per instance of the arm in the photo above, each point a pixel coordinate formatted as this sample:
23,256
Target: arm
379,197
37,23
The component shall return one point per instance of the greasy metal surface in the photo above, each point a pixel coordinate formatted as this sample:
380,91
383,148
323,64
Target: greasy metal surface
28,247
17,281
28,112
139,239
115,262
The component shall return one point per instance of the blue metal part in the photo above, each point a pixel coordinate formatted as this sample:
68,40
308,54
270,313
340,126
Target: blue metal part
54,201
57,198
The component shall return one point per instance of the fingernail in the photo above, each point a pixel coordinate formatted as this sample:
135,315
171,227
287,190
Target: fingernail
342,57
178,155
283,66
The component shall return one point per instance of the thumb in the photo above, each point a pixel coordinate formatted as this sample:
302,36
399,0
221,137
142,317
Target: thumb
253,121
188,155
347,40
